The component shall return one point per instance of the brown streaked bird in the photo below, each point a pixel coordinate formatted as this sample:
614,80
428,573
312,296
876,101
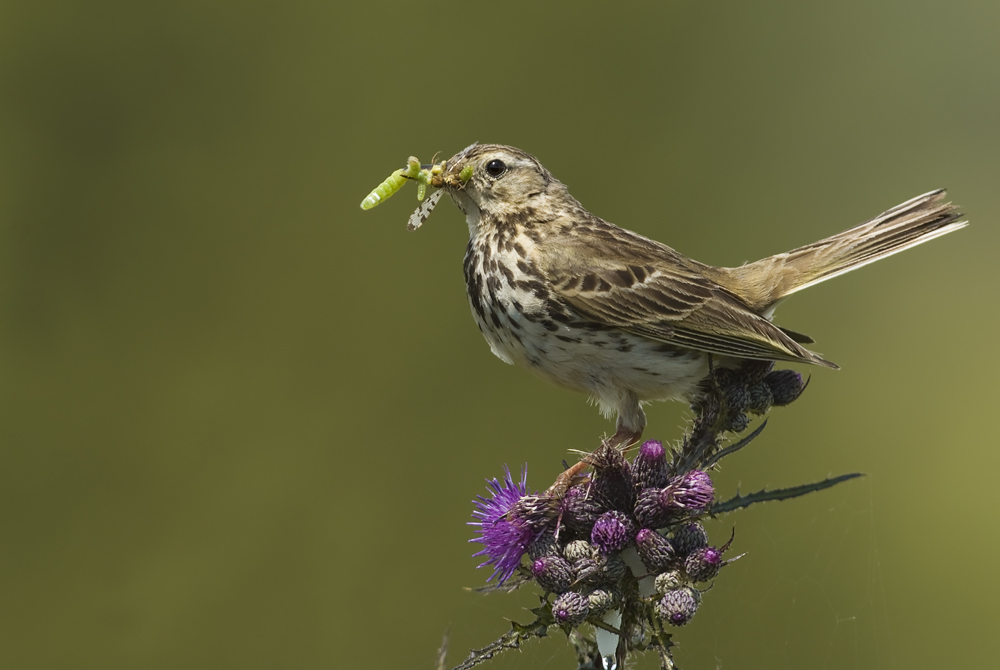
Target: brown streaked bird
625,319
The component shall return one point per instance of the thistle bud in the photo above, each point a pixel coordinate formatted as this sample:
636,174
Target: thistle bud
668,581
535,511
725,378
612,531
752,371
612,483
614,570
606,570
693,492
737,398
709,407
678,606
761,398
579,549
579,509
656,552
570,608
553,573
786,386
587,570
649,467
703,564
653,508
544,545
601,600
689,537
738,422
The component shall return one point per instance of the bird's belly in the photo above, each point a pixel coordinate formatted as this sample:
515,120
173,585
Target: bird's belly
596,361
525,325
608,361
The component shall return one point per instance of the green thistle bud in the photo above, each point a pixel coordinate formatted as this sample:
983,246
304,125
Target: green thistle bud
578,550
668,581
601,600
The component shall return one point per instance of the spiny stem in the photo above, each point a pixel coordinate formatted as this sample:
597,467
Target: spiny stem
739,501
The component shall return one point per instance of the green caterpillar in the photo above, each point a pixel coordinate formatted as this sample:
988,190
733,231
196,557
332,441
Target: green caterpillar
385,190
413,170
393,183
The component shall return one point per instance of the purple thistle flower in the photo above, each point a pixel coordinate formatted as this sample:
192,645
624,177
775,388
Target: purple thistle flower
649,468
688,495
504,532
611,532
703,564
694,492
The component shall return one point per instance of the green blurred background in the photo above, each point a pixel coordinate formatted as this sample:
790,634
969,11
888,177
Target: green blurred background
241,421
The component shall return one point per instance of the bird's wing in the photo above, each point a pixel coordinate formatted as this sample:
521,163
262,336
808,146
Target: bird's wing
624,280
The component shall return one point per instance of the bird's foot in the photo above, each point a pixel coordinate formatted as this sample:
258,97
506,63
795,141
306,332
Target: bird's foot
567,478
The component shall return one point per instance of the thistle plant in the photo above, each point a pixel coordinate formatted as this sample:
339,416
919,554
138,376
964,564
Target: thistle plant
617,548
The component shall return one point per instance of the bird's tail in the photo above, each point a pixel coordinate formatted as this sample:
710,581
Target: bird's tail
768,281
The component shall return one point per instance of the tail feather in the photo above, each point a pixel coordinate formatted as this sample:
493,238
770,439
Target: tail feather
914,222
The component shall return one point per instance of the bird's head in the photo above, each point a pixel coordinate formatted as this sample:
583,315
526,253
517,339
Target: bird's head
500,183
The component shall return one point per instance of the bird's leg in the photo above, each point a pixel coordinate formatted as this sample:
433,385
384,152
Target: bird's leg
624,437
631,421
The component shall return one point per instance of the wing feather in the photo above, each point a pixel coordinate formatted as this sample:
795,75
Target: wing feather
648,289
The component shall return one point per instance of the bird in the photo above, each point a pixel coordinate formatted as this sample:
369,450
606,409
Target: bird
601,310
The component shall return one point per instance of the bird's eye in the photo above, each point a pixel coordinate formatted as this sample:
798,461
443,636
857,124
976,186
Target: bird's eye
496,167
